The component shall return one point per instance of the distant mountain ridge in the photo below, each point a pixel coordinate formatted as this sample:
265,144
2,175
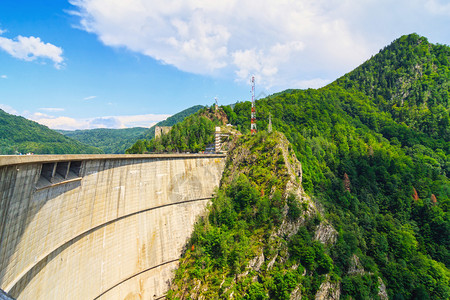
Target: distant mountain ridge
172,120
112,141
20,135
118,140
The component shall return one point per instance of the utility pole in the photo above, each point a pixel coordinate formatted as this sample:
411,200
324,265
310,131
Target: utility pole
253,115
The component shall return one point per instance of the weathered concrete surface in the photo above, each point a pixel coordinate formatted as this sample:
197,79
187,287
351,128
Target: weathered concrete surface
116,232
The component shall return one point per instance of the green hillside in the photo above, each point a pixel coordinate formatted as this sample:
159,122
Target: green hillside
375,154
193,134
172,120
119,140
108,140
19,135
410,80
249,246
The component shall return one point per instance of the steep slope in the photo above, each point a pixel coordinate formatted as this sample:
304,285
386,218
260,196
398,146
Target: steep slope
409,79
18,134
263,237
374,211
108,140
379,178
193,134
383,183
170,121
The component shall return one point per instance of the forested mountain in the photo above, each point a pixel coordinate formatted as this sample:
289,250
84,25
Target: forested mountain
108,140
19,135
193,134
119,140
393,207
172,120
375,154
410,80
250,245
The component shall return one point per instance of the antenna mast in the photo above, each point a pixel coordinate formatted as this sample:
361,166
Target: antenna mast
253,115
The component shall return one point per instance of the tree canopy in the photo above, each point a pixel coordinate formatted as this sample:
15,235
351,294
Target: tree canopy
375,152
19,135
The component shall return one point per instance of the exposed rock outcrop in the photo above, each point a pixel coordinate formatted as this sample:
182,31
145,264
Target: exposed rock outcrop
328,290
296,294
355,266
382,293
276,172
325,233
253,265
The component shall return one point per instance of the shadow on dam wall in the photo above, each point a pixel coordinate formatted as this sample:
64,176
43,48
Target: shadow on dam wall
114,231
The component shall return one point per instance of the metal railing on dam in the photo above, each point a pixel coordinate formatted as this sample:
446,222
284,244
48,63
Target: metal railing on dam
99,226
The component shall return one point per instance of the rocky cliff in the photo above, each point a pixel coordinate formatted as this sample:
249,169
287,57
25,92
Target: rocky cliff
264,237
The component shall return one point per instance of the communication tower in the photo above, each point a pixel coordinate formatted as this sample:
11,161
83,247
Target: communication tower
253,115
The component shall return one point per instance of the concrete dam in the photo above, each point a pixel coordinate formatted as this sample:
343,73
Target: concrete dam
99,226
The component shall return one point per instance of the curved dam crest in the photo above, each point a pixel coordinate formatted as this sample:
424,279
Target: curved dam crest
99,226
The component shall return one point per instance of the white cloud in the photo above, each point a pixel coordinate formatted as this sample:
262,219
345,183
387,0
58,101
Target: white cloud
106,122
32,48
438,8
69,123
147,120
4,77
2,31
281,42
275,40
265,65
312,83
89,97
40,115
65,123
52,109
8,109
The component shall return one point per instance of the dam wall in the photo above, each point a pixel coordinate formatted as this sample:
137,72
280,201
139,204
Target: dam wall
99,226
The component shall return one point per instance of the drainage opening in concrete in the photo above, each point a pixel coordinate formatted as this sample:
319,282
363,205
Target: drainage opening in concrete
58,173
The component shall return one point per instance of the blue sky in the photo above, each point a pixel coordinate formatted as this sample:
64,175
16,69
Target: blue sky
121,63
